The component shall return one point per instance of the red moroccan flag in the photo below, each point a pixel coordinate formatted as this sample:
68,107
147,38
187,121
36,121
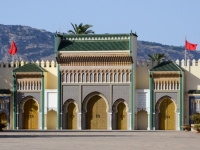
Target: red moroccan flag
13,48
190,46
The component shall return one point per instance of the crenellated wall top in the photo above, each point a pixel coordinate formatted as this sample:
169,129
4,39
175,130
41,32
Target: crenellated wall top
16,64
182,63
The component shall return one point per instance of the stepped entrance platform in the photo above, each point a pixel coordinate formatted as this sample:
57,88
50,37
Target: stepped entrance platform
98,140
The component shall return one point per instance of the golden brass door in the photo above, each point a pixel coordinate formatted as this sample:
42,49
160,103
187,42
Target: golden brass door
167,115
3,119
121,116
30,114
96,116
71,116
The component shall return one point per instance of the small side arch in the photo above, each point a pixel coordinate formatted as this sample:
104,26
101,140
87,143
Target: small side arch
120,115
70,114
116,103
26,99
157,110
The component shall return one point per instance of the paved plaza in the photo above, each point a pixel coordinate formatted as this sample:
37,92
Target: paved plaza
99,140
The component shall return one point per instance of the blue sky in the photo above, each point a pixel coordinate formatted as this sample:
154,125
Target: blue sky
162,21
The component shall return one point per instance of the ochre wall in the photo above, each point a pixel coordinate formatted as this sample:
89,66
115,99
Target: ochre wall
142,74
50,75
192,74
6,78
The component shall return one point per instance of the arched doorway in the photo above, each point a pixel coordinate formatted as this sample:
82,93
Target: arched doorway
96,116
3,119
167,115
142,120
51,119
30,114
121,116
71,116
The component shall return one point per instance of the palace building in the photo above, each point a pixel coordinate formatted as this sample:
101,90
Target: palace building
97,83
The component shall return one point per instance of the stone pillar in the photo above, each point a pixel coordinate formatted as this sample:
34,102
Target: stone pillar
45,120
61,118
79,121
135,125
83,120
17,117
110,121
129,120
154,121
178,121
148,128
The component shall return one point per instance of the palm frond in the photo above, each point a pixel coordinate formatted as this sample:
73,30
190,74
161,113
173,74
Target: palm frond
73,27
89,32
81,29
71,32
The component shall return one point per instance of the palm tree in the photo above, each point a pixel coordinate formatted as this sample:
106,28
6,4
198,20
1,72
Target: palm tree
157,57
81,29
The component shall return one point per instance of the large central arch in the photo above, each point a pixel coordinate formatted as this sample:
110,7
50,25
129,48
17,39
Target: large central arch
96,108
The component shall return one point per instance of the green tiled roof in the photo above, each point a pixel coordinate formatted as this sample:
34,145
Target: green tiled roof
94,42
5,91
194,92
31,67
67,45
167,66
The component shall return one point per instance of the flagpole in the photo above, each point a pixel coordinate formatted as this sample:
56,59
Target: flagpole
185,50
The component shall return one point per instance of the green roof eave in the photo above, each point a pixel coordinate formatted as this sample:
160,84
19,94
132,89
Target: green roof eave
194,92
31,67
93,35
167,66
5,92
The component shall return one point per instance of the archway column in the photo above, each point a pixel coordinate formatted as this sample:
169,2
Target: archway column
130,127
61,120
109,120
148,128
17,118
45,124
40,120
154,120
178,121
79,121
136,121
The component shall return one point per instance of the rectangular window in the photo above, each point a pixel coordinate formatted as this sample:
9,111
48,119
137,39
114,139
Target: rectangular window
107,77
99,77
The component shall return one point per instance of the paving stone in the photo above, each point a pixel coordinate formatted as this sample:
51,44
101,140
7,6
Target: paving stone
99,140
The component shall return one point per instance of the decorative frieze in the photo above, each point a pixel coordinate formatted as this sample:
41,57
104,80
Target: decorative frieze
29,84
96,76
166,81
118,60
